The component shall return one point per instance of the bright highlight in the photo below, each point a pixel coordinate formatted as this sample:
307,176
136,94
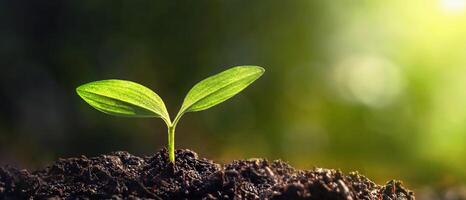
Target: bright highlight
454,6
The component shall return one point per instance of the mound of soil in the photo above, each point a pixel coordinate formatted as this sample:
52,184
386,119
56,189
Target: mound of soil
121,175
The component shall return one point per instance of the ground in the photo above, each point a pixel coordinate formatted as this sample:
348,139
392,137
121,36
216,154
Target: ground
121,175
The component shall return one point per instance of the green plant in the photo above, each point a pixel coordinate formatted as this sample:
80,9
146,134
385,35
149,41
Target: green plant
129,99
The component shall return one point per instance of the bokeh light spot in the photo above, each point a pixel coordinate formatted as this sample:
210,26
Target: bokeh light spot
368,80
453,6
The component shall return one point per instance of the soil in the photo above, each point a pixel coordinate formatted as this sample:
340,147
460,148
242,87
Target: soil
121,175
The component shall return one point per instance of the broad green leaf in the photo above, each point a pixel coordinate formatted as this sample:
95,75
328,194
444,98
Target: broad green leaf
220,87
123,98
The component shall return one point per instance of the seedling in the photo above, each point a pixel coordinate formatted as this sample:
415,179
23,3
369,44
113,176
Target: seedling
130,99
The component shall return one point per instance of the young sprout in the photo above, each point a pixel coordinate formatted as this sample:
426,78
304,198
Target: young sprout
130,99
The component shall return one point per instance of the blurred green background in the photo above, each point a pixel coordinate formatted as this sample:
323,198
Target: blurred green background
372,86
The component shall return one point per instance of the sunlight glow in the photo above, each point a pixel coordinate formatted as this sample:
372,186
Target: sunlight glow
369,80
453,6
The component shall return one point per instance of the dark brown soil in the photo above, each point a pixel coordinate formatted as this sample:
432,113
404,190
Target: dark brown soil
121,175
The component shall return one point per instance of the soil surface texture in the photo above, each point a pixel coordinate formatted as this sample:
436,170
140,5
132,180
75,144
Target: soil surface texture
121,175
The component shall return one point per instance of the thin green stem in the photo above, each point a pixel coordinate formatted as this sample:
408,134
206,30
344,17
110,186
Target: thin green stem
171,143
171,137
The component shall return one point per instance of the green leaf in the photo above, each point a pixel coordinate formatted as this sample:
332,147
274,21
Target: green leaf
123,98
218,88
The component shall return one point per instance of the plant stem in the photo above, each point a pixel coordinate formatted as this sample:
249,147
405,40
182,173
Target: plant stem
171,143
171,137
